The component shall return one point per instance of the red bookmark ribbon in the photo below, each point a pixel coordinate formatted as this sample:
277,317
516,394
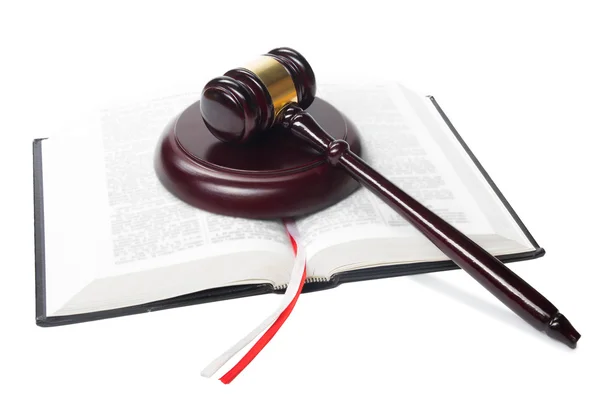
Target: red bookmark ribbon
268,335
273,322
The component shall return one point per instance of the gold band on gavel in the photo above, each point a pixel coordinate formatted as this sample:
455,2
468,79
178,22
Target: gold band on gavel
276,79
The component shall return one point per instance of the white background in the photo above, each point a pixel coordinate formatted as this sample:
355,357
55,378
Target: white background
520,81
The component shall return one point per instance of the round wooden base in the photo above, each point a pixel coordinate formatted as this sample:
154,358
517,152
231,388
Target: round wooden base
275,176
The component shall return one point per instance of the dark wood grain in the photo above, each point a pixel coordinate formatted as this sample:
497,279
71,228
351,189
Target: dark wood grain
237,105
273,176
301,72
490,272
509,288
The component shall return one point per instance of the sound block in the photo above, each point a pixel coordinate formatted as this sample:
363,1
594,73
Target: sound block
276,175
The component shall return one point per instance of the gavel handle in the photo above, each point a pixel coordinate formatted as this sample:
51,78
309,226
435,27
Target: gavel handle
490,272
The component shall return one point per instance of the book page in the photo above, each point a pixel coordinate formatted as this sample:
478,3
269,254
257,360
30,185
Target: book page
116,237
147,221
398,145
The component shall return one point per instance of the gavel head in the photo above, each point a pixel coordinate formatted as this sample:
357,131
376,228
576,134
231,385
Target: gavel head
247,100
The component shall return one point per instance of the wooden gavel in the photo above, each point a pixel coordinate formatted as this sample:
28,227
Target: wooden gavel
275,89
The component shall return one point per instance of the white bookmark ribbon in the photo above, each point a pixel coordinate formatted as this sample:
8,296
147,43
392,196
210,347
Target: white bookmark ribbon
294,285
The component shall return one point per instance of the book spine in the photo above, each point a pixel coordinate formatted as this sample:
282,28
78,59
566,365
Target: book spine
312,279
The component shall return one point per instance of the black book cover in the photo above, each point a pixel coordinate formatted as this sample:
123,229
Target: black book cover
237,291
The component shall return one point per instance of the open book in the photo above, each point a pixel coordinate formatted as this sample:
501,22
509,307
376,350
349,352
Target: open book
110,240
